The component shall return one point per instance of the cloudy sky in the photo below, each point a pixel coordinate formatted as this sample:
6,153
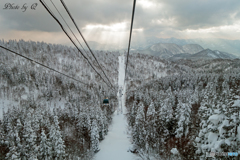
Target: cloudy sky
108,21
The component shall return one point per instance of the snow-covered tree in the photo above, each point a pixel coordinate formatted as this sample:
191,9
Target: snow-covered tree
30,148
44,151
56,142
94,137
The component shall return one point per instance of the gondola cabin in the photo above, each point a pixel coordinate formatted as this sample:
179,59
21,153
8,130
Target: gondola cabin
105,101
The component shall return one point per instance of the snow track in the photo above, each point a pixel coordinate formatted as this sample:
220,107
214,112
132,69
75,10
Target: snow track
116,144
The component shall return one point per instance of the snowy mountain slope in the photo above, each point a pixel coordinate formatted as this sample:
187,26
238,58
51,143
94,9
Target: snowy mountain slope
209,54
174,52
52,109
192,48
143,68
179,57
166,50
225,45
169,109
66,59
190,112
163,47
206,54
162,50
173,106
211,65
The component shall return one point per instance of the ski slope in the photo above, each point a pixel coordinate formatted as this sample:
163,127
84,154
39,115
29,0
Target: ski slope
116,144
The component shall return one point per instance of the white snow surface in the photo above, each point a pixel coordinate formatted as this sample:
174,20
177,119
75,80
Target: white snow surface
116,144
174,151
4,105
212,55
236,103
215,119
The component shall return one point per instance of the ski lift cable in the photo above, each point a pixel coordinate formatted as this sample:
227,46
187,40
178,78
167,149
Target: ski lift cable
51,13
51,69
130,36
68,26
46,66
64,5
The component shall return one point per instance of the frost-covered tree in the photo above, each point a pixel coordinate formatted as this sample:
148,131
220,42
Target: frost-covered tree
30,148
139,137
44,147
14,147
57,147
94,137
151,126
184,119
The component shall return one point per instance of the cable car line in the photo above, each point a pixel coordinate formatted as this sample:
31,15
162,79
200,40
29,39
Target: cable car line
64,5
46,66
54,17
68,26
133,11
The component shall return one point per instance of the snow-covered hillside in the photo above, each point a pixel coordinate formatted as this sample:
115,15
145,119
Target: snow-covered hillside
143,68
179,109
225,45
174,52
192,113
166,50
192,48
45,113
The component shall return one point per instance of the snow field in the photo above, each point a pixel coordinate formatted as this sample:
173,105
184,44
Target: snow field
116,144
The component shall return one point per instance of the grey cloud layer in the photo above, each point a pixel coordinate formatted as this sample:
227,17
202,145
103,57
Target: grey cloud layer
194,14
176,15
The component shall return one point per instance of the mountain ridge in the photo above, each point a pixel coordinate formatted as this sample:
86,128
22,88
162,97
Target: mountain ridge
167,50
205,54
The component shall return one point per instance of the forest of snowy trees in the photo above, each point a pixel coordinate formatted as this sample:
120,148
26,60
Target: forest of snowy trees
143,68
46,115
189,108
194,113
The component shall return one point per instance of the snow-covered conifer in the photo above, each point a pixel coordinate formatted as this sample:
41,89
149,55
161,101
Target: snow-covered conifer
94,137
56,142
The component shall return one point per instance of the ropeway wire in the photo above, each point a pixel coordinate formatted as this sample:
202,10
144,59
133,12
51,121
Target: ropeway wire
50,69
133,11
64,5
44,65
80,34
50,12
68,26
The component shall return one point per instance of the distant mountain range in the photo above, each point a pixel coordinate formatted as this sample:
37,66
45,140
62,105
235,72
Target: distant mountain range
189,51
167,50
205,54
191,46
225,45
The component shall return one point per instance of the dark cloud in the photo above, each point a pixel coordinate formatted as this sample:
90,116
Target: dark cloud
202,13
29,20
101,12
165,16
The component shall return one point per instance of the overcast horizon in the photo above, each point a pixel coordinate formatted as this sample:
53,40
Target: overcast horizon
106,21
